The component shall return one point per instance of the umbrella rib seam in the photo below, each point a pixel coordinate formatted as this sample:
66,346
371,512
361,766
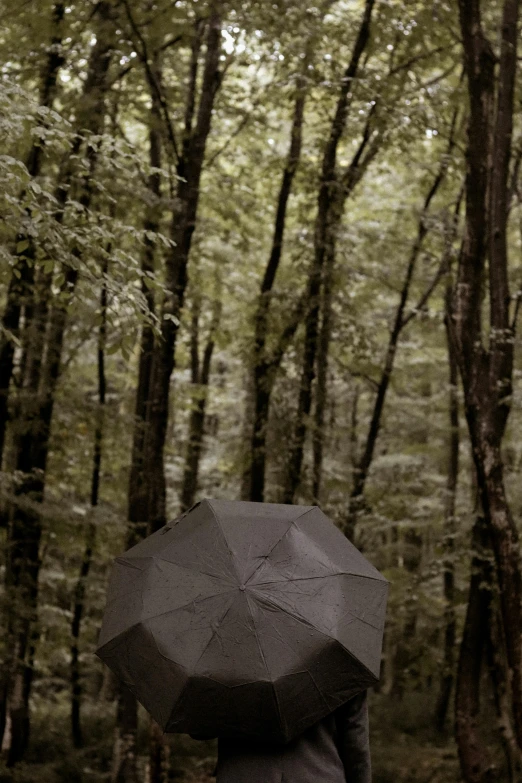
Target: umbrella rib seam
266,666
378,577
214,632
184,606
350,612
290,526
192,570
322,576
162,614
234,562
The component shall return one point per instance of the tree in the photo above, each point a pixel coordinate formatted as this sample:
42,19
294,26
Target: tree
325,199
486,368
33,429
22,279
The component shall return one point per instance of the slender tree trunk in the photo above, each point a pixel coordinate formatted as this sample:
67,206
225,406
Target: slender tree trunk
475,763
32,444
19,290
90,531
159,755
349,179
450,622
328,193
246,435
487,371
321,391
496,657
200,380
400,321
124,768
354,422
263,371
405,652
183,225
184,216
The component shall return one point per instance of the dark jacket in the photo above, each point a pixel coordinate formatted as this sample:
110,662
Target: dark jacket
335,750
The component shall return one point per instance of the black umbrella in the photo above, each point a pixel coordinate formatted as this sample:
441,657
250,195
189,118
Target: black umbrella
244,619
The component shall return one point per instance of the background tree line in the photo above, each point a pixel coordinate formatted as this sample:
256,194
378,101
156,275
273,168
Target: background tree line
267,251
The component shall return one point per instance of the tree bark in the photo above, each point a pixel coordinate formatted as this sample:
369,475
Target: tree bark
349,179
200,380
496,657
263,374
32,443
448,665
475,763
124,768
183,224
487,371
90,530
328,192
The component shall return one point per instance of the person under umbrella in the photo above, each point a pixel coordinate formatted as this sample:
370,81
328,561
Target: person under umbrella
258,623
334,750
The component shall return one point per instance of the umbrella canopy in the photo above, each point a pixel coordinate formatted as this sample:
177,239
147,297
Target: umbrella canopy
244,619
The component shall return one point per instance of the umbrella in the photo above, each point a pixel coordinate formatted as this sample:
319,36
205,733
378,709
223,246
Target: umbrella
244,619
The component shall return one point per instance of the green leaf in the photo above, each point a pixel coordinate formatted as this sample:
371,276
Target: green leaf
21,246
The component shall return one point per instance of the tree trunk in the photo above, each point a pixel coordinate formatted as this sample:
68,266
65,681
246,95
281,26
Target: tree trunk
405,651
183,225
32,445
400,321
263,374
475,764
246,435
448,664
200,379
321,391
159,755
147,495
349,179
487,371
328,192
19,290
496,656
90,531
184,216
124,768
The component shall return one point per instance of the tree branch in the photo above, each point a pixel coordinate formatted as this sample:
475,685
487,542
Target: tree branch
151,78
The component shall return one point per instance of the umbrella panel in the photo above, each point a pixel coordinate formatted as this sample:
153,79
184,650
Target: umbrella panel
253,529
344,607
184,634
346,558
233,654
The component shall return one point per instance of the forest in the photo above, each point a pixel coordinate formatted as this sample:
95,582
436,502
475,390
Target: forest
267,251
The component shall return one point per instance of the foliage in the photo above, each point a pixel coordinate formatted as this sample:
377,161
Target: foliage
411,75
